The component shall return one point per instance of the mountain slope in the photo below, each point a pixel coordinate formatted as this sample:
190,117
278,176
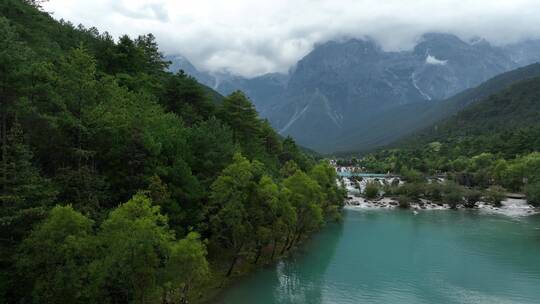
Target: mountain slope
492,142
363,87
264,91
352,95
416,116
506,123
515,107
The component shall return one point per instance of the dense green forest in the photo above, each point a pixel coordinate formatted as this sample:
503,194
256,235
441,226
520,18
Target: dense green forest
494,142
123,183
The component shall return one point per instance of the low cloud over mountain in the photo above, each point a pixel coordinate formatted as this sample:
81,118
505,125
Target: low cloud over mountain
250,38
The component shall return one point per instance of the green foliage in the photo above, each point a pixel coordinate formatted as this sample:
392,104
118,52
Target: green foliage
133,258
472,196
54,259
404,201
265,213
94,122
306,197
533,194
494,141
372,190
452,194
413,191
434,191
325,175
135,237
292,152
24,194
186,265
289,168
212,149
412,176
238,112
495,195
228,209
184,96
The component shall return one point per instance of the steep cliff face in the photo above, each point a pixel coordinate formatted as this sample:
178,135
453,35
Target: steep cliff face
451,65
344,88
347,86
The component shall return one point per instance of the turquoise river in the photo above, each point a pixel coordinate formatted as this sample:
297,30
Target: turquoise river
395,256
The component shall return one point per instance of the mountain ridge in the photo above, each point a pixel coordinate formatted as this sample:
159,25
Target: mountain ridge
341,87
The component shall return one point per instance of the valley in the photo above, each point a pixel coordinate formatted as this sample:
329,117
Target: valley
344,96
304,152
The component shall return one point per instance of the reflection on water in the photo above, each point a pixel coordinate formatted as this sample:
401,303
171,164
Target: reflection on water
396,257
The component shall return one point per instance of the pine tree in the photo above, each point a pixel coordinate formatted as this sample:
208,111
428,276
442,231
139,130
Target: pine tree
185,97
13,55
24,194
239,113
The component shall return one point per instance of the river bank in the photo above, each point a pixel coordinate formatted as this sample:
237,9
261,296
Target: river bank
356,200
218,284
509,206
381,256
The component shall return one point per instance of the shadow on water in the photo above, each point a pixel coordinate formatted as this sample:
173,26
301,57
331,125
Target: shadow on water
393,256
296,279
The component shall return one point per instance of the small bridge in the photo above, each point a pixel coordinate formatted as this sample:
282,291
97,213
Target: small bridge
366,174
516,195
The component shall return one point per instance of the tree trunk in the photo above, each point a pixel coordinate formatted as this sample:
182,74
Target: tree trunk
273,250
294,239
286,243
298,237
232,265
3,134
291,243
183,297
79,134
259,251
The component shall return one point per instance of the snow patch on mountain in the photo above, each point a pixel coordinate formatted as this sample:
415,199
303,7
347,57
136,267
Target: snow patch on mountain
294,118
415,84
433,60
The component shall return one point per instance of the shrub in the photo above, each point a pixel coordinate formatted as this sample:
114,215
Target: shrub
452,194
371,190
533,194
434,192
414,190
472,197
494,195
390,190
404,201
412,176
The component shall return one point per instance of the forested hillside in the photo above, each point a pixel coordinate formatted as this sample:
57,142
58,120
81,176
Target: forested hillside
493,142
123,183
417,117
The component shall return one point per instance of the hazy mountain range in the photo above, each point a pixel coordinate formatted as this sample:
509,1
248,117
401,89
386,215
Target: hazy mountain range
353,96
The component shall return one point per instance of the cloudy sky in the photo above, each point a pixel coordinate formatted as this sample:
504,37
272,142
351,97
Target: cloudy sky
252,37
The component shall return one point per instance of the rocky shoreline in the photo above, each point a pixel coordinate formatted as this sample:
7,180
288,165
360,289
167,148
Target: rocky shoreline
355,200
509,206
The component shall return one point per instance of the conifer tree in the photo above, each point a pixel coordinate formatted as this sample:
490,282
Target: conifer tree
24,194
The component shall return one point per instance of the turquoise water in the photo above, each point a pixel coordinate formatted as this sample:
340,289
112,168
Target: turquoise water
397,257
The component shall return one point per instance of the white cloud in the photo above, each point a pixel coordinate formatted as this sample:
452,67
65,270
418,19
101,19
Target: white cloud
251,37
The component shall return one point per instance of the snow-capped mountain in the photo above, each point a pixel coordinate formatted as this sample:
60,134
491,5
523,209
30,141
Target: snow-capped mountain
342,87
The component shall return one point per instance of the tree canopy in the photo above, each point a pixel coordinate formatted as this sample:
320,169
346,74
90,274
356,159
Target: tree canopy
121,182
